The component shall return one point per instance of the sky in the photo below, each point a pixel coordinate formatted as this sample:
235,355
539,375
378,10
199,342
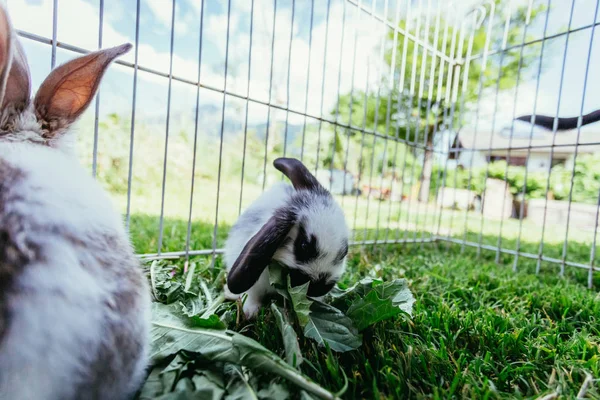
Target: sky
543,95
78,24
333,63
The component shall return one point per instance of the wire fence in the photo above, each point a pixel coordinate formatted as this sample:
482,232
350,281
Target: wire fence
397,106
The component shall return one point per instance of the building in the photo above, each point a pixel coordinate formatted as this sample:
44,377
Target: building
522,144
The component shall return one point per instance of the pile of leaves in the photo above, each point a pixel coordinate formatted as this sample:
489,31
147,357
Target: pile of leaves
195,355
338,322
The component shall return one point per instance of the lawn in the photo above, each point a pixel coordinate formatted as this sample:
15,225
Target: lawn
478,330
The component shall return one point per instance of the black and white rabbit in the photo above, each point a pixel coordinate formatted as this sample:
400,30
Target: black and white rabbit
302,227
74,304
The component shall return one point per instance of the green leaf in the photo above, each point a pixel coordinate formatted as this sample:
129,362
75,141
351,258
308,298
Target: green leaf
178,313
207,387
178,395
172,372
321,322
192,306
371,309
300,302
153,387
274,391
398,292
341,298
197,387
277,279
212,322
164,288
239,388
184,379
305,396
276,274
336,293
293,355
381,302
170,335
329,325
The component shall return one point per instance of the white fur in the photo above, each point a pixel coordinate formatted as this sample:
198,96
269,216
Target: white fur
55,329
75,306
325,220
59,190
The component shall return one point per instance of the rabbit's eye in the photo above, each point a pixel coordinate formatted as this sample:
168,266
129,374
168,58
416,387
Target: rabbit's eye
305,246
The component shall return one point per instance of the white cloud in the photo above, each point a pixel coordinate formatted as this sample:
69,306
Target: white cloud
367,31
34,18
196,4
162,10
78,26
77,22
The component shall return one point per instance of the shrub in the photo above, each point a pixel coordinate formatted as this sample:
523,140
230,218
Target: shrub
362,158
586,181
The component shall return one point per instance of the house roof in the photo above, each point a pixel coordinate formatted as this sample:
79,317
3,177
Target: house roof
540,142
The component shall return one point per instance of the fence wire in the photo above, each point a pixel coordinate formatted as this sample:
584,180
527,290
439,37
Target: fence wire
399,109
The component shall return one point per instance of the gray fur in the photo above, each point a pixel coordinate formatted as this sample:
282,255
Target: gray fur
74,304
115,364
15,250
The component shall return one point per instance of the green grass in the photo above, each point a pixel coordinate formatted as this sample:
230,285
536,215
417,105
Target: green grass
479,330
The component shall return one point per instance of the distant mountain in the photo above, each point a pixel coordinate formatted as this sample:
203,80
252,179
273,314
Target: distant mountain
293,131
209,123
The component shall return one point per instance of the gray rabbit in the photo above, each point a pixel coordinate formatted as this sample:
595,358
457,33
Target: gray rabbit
74,304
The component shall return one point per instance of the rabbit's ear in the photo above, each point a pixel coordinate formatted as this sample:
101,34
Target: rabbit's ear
259,251
297,173
18,85
6,45
15,81
69,89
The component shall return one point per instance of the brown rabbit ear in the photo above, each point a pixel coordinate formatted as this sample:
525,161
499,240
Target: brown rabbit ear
297,173
69,89
259,251
18,85
6,45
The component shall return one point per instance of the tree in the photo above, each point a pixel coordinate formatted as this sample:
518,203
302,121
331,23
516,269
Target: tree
440,102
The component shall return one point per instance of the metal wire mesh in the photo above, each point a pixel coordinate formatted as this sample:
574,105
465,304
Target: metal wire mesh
395,115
